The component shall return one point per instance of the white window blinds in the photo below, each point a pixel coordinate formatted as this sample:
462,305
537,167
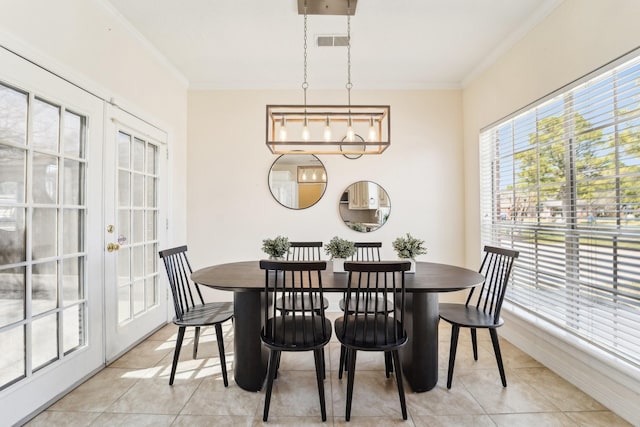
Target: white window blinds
560,182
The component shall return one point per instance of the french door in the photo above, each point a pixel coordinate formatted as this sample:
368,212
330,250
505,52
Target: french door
51,264
135,225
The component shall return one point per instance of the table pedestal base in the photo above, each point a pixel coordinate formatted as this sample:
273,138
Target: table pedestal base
420,355
251,358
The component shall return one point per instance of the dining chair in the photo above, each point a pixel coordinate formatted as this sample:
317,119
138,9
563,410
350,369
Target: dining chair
483,311
366,251
371,328
190,308
305,330
301,251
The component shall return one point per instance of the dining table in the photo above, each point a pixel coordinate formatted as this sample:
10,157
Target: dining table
419,356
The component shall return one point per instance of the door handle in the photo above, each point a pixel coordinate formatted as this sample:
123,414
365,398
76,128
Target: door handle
113,247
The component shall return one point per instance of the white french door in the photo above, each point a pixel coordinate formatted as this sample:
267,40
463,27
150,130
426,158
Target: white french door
135,225
51,264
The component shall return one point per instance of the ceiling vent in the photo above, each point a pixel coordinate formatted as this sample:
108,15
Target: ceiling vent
329,41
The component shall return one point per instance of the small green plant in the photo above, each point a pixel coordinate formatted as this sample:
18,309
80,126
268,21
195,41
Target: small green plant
339,248
409,247
358,226
276,247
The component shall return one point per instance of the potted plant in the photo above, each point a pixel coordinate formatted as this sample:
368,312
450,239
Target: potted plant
339,250
276,248
408,248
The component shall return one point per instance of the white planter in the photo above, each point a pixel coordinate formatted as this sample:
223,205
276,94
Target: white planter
412,269
338,265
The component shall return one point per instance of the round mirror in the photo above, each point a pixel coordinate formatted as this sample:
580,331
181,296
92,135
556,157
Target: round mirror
364,206
297,181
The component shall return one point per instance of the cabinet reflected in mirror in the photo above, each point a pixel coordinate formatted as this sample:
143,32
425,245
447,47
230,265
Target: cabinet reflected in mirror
297,181
364,206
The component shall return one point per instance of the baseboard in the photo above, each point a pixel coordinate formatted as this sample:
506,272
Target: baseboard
614,384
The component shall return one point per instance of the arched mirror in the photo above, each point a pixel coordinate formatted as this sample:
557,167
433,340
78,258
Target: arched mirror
364,206
297,181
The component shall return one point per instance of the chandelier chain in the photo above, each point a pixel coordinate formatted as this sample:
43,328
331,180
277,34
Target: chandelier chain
349,85
305,84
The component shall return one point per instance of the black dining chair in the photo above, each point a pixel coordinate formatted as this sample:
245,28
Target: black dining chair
301,251
190,308
305,330
482,308
367,251
371,328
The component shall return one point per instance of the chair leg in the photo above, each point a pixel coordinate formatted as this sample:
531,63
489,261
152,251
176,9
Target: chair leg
342,361
388,363
496,350
277,365
271,373
196,338
319,359
474,343
351,358
455,331
324,372
176,354
403,403
223,362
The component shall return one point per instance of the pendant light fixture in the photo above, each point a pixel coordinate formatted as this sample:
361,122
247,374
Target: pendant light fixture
352,130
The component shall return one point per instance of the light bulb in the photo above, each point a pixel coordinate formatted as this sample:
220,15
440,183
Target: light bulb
324,176
350,133
327,130
283,130
304,176
373,133
305,130
314,177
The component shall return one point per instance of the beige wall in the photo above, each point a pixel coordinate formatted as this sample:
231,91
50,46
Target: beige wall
84,42
576,38
230,209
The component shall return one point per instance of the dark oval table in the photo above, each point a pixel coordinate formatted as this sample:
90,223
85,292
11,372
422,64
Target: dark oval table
419,356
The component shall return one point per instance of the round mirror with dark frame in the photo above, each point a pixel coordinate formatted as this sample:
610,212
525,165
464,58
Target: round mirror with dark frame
297,181
364,206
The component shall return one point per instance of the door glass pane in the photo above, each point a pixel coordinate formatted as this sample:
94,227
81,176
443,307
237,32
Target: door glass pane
151,159
13,116
124,148
72,280
151,192
13,242
151,291
72,135
138,296
73,328
124,224
151,225
138,190
45,178
72,226
150,259
138,155
12,173
138,227
44,287
46,126
138,262
124,303
124,195
12,294
124,273
12,360
44,340
45,231
73,191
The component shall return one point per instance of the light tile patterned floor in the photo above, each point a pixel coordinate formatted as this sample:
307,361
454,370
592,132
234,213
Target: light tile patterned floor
135,391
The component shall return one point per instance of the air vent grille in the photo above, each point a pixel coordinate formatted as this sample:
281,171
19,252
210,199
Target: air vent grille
329,41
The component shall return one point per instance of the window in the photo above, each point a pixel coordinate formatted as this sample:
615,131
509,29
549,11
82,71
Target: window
560,182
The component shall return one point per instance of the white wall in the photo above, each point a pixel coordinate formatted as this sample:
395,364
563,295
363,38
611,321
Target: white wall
576,38
83,41
230,209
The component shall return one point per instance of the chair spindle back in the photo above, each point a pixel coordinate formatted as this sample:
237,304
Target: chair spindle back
186,294
367,251
304,251
496,267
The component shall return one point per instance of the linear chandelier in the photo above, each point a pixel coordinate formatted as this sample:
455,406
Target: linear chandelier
351,130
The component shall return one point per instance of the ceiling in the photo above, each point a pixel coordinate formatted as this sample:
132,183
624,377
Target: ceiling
395,44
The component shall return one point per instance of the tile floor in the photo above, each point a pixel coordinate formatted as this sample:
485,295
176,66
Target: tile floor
134,391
